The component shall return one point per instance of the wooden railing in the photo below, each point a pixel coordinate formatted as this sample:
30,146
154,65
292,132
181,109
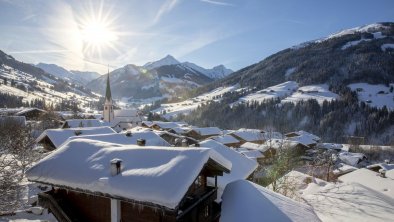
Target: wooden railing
47,201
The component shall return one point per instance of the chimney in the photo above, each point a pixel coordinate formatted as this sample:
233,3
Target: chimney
141,142
382,173
116,166
387,161
128,134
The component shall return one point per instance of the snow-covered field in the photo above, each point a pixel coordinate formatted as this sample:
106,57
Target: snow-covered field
374,95
291,92
173,109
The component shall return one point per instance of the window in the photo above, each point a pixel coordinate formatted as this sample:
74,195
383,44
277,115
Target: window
105,108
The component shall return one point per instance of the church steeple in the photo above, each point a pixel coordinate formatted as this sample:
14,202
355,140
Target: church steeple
108,113
108,90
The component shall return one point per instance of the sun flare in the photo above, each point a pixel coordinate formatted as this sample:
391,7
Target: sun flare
97,34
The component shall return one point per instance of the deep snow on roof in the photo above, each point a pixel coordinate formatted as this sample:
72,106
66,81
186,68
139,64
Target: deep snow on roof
207,131
249,134
249,202
304,137
370,179
348,202
59,136
242,166
225,139
151,138
158,175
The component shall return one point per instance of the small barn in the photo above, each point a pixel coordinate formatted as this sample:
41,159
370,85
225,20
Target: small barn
31,113
201,133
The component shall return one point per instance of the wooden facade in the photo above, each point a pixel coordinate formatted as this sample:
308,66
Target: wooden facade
198,204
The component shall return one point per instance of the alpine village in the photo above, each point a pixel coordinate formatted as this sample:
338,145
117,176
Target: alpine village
305,134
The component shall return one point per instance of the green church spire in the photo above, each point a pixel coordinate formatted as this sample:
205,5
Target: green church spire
108,90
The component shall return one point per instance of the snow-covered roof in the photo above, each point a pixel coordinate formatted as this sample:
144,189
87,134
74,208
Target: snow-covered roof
158,175
26,110
351,158
151,138
59,136
249,134
168,125
303,137
344,168
247,201
252,154
384,166
225,139
243,167
329,146
207,131
277,144
348,202
181,130
74,123
250,146
370,179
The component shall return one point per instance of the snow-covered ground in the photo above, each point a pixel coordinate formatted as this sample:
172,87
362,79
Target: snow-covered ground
173,109
317,92
384,47
374,95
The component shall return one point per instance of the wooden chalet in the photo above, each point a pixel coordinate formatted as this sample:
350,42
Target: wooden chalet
203,132
31,113
108,188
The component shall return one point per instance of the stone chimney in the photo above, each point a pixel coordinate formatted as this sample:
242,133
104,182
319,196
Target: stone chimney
382,173
184,142
116,166
141,142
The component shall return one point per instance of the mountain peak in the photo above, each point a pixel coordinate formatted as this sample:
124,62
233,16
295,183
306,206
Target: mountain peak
167,60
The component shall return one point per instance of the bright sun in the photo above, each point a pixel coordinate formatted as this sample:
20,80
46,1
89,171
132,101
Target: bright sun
98,34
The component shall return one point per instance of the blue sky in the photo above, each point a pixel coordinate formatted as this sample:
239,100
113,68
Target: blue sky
236,33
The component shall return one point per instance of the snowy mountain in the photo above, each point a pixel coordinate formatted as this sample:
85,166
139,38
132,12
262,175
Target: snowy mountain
166,61
74,76
165,77
32,83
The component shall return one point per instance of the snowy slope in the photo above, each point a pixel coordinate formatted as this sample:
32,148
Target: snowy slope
317,92
374,95
216,72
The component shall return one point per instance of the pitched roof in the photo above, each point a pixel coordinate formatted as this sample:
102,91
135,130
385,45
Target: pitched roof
370,179
59,136
158,175
225,139
303,137
246,201
242,166
151,138
207,131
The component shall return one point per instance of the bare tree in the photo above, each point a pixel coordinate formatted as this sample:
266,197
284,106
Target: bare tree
16,154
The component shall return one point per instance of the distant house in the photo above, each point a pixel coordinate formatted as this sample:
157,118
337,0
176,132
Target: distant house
159,125
126,119
308,139
201,133
249,135
31,113
227,140
83,123
177,140
110,182
52,139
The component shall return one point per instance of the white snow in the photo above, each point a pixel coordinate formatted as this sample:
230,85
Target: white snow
242,167
159,175
252,154
384,47
348,202
278,91
290,71
249,202
225,139
249,135
318,92
207,131
351,158
59,136
372,180
367,28
343,169
303,137
376,35
168,60
374,95
151,138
